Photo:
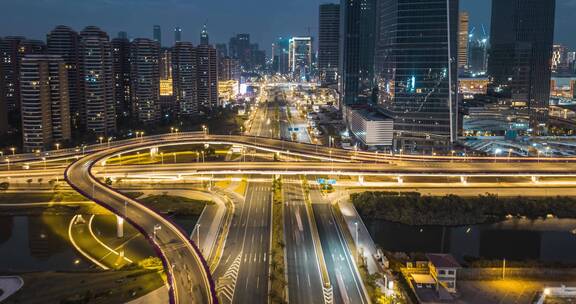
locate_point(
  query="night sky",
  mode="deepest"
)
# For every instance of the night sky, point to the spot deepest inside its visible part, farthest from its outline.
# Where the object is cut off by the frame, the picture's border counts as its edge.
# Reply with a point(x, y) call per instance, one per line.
point(263, 19)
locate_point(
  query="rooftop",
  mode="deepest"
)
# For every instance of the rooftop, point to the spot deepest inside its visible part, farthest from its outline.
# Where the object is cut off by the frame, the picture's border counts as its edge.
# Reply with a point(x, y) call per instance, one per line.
point(442, 260)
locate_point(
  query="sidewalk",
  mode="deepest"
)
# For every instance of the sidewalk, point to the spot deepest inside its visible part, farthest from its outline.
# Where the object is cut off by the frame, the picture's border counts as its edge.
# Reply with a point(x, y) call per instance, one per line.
point(364, 242)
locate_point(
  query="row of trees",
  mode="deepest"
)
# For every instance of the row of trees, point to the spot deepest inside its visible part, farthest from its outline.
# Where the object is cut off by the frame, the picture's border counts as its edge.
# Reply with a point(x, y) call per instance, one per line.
point(451, 210)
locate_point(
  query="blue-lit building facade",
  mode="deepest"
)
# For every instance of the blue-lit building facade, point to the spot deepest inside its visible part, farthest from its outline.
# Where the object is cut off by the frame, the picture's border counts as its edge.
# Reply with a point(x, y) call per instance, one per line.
point(416, 68)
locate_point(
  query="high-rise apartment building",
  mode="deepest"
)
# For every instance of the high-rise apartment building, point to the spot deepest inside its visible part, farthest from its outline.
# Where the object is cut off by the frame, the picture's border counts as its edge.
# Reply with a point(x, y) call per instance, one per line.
point(3, 109)
point(12, 50)
point(463, 23)
point(229, 69)
point(184, 78)
point(98, 110)
point(416, 68)
point(357, 37)
point(329, 43)
point(45, 108)
point(157, 34)
point(145, 74)
point(300, 57)
point(65, 42)
point(207, 76)
point(122, 79)
point(521, 40)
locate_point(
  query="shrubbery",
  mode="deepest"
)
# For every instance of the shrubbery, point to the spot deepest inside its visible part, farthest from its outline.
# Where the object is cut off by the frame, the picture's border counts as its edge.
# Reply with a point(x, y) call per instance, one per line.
point(451, 210)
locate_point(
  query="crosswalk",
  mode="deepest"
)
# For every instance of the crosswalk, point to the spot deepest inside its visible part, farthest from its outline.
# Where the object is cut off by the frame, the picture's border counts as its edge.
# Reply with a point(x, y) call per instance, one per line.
point(227, 283)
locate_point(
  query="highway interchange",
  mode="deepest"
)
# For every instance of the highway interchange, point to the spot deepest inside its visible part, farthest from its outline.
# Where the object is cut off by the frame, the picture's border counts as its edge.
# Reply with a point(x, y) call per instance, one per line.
point(243, 272)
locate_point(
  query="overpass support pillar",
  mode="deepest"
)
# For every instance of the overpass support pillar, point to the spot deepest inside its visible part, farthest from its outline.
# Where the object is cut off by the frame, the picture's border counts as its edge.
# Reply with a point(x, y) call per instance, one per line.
point(119, 227)
point(535, 179)
point(361, 180)
point(400, 179)
point(154, 151)
point(464, 180)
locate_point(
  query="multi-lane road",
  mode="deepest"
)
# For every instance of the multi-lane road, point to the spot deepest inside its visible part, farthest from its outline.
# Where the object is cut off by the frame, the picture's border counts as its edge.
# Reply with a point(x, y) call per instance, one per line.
point(304, 273)
point(242, 275)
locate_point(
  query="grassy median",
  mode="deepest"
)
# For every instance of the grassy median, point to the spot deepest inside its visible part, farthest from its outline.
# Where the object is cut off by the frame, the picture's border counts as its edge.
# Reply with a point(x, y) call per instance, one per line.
point(277, 271)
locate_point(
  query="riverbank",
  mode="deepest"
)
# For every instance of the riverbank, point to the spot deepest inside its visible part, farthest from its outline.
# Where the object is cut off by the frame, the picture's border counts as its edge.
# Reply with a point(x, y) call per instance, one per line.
point(411, 208)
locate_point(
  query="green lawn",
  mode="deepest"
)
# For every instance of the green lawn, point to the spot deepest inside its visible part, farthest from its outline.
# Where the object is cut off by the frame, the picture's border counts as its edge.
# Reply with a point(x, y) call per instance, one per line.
point(177, 205)
point(86, 287)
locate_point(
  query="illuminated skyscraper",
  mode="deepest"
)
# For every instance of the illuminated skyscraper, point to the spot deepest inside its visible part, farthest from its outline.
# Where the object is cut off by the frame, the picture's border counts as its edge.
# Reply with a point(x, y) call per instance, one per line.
point(45, 108)
point(144, 67)
point(65, 42)
point(357, 37)
point(280, 57)
point(207, 76)
point(99, 107)
point(300, 57)
point(559, 58)
point(521, 40)
point(122, 80)
point(184, 78)
point(463, 42)
point(329, 42)
point(416, 68)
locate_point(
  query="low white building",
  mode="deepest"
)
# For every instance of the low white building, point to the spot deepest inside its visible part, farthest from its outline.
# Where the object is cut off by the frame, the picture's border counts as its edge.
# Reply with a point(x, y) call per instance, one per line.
point(370, 127)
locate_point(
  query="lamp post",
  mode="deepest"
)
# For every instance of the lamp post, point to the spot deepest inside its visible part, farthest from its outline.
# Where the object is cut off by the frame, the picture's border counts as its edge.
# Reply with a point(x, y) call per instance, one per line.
point(100, 139)
point(57, 146)
point(162, 157)
point(13, 151)
point(156, 228)
point(356, 241)
point(109, 140)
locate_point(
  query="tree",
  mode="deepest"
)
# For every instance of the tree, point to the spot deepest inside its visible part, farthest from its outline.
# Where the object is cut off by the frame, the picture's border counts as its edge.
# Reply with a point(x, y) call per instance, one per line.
point(108, 181)
point(4, 186)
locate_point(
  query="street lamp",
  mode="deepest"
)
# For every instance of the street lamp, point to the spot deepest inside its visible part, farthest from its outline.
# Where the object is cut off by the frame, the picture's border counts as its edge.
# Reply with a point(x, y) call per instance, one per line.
point(109, 140)
point(162, 157)
point(157, 227)
point(57, 146)
point(101, 139)
point(496, 153)
point(13, 150)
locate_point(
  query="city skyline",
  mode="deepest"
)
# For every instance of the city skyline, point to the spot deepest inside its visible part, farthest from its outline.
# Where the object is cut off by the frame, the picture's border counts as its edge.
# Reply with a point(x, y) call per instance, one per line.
point(138, 18)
